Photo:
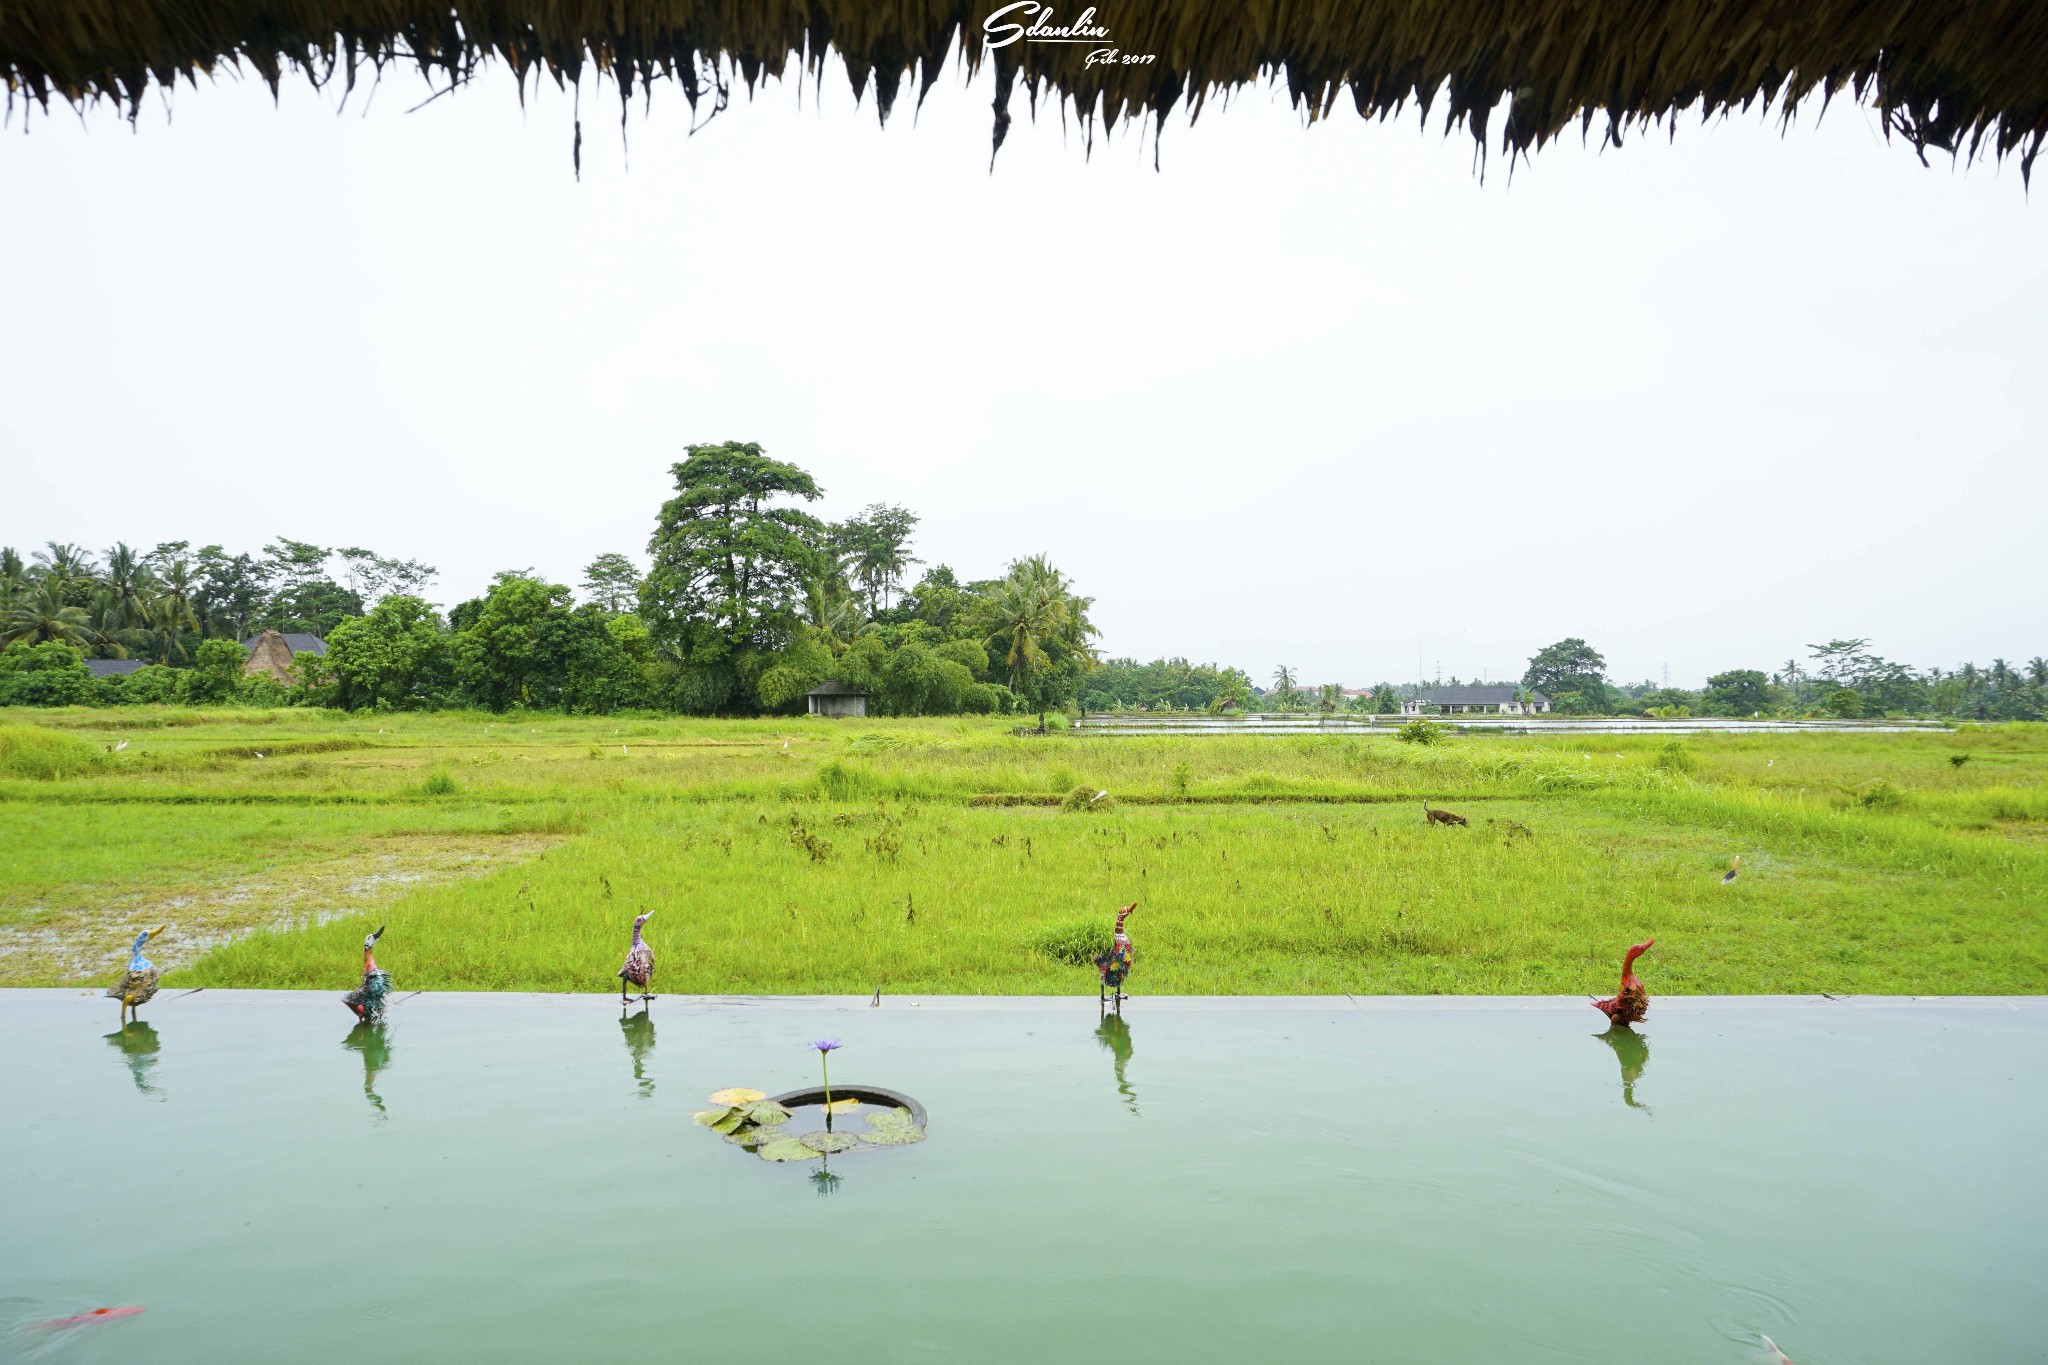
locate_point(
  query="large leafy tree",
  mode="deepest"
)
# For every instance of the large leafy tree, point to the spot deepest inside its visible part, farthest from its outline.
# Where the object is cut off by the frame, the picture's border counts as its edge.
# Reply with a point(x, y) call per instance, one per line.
point(396, 658)
point(875, 549)
point(1572, 669)
point(612, 582)
point(732, 562)
point(371, 577)
point(232, 591)
point(1738, 692)
point(525, 645)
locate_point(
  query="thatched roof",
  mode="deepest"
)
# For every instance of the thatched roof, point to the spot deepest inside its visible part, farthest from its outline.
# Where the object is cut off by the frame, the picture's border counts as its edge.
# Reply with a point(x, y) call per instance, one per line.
point(1960, 76)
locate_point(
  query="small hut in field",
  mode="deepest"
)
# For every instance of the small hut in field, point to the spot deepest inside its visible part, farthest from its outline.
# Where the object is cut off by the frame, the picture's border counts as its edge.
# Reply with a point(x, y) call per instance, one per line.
point(838, 700)
point(270, 654)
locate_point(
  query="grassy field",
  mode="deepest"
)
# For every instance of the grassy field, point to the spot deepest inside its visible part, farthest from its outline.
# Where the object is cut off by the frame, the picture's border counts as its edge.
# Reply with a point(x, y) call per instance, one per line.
point(934, 856)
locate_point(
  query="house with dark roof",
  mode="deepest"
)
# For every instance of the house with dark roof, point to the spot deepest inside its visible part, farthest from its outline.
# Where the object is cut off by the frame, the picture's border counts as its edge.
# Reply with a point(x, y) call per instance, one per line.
point(1481, 698)
point(837, 699)
point(112, 668)
point(270, 654)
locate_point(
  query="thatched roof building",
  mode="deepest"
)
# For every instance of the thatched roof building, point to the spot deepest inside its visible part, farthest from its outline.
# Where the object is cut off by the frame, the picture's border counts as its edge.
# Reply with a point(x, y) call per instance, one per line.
point(1962, 78)
point(270, 654)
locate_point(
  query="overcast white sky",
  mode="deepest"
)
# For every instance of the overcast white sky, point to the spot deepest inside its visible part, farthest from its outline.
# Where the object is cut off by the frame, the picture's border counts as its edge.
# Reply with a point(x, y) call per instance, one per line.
point(1316, 397)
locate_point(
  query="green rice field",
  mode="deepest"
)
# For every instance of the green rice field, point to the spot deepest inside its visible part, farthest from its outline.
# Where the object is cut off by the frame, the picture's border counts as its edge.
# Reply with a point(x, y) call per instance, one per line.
point(942, 856)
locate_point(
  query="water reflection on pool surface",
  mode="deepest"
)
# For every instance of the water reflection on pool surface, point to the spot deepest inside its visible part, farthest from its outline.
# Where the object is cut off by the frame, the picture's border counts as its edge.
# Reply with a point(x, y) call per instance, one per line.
point(518, 1178)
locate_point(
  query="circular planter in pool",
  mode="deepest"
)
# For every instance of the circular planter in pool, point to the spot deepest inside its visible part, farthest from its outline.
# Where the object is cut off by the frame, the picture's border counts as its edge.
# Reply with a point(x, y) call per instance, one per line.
point(866, 1094)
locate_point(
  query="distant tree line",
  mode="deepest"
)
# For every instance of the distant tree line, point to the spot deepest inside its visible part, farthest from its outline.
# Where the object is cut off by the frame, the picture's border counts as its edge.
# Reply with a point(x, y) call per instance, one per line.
point(1840, 679)
point(749, 601)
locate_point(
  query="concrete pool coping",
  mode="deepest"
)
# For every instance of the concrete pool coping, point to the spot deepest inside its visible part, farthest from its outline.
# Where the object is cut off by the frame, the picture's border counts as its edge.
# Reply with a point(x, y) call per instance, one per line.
point(1172, 1004)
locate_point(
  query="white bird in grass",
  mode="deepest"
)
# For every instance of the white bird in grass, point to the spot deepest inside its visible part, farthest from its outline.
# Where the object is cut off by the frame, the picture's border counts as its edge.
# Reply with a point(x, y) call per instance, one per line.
point(1097, 797)
point(119, 747)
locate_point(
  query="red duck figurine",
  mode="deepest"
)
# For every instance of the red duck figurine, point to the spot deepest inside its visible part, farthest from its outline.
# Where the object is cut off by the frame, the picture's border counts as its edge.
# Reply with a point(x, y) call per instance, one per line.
point(1632, 1002)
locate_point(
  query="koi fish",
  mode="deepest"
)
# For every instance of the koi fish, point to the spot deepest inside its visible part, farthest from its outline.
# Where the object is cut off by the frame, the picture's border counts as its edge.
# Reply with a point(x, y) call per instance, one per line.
point(1778, 1357)
point(96, 1315)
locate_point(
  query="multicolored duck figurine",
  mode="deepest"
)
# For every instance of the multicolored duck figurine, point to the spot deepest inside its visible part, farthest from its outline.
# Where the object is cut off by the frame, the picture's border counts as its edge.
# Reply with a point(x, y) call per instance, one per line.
point(367, 1000)
point(1629, 1004)
point(1114, 966)
point(638, 969)
point(138, 983)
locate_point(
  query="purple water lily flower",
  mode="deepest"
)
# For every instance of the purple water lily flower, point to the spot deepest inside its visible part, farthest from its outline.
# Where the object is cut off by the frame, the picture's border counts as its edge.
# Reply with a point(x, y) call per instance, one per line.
point(826, 1047)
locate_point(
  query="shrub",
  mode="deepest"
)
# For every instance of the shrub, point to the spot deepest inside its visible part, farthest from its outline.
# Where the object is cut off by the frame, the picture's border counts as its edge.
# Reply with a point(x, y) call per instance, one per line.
point(1183, 774)
point(1420, 732)
point(150, 685)
point(1675, 758)
point(27, 751)
point(1881, 795)
point(48, 674)
point(440, 782)
point(1085, 799)
point(217, 668)
point(1074, 942)
point(843, 781)
point(1845, 702)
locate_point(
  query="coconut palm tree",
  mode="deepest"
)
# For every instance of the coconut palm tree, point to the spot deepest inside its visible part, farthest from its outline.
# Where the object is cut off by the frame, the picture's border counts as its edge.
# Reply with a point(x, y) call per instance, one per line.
point(2037, 671)
point(1040, 626)
point(13, 578)
point(131, 583)
point(42, 615)
point(109, 621)
point(169, 616)
point(68, 567)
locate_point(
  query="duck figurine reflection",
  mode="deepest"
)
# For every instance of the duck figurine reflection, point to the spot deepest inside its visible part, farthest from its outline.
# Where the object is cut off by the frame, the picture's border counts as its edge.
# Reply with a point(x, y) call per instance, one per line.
point(367, 1000)
point(137, 1042)
point(375, 1046)
point(138, 983)
point(638, 968)
point(1114, 1034)
point(1633, 1052)
point(1629, 1004)
point(639, 1031)
point(1114, 966)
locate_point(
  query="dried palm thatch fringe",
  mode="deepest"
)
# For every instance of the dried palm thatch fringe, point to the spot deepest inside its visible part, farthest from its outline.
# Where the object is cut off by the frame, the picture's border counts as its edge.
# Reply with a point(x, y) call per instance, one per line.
point(1963, 76)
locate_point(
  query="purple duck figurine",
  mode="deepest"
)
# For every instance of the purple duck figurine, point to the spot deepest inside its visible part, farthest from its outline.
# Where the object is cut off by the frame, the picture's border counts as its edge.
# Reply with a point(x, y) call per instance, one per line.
point(638, 968)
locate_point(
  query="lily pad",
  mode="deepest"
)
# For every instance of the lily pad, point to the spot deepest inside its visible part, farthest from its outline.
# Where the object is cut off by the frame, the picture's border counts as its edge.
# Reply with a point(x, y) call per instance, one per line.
point(765, 1112)
point(734, 1120)
point(894, 1136)
point(842, 1106)
point(827, 1142)
point(786, 1149)
point(708, 1117)
point(757, 1137)
point(737, 1094)
point(891, 1118)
